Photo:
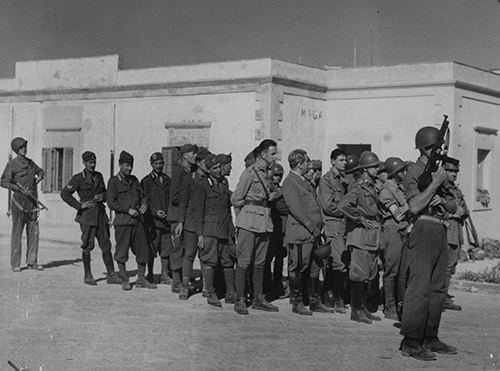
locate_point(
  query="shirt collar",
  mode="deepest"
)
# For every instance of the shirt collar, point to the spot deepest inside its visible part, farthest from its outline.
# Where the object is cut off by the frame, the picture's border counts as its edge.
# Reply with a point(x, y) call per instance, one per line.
point(261, 164)
point(300, 176)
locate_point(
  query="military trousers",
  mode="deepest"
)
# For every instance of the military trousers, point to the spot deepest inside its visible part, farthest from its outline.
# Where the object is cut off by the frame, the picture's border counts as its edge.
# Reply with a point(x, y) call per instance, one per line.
point(251, 248)
point(216, 250)
point(161, 241)
point(301, 260)
point(427, 259)
point(131, 237)
point(21, 219)
point(92, 232)
point(364, 264)
point(177, 253)
point(392, 248)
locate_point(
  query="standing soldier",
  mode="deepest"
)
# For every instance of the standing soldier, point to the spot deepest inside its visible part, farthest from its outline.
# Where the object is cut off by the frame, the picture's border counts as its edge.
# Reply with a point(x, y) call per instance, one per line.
point(253, 220)
point(180, 190)
point(332, 188)
point(21, 176)
point(211, 220)
point(303, 230)
point(427, 255)
point(91, 215)
point(156, 188)
point(125, 198)
point(361, 207)
point(395, 225)
point(455, 228)
point(352, 170)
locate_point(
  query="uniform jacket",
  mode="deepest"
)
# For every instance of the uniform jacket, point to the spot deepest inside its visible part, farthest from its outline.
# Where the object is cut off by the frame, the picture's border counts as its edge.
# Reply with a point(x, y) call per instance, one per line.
point(332, 188)
point(189, 223)
point(180, 190)
point(254, 186)
point(156, 189)
point(212, 217)
point(124, 193)
point(304, 211)
point(361, 201)
point(87, 186)
point(456, 225)
point(22, 170)
point(279, 211)
point(392, 194)
point(231, 227)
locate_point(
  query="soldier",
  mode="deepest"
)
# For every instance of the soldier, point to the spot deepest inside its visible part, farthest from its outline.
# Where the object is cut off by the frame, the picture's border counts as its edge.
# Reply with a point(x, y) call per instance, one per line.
point(303, 229)
point(180, 190)
point(455, 228)
point(352, 170)
point(394, 226)
point(427, 256)
point(273, 281)
point(156, 188)
point(332, 188)
point(253, 220)
point(189, 238)
point(21, 176)
point(91, 215)
point(361, 207)
point(211, 220)
point(125, 198)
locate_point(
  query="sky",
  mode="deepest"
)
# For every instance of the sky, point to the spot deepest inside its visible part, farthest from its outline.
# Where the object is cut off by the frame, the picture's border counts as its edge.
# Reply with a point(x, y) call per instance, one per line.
point(150, 33)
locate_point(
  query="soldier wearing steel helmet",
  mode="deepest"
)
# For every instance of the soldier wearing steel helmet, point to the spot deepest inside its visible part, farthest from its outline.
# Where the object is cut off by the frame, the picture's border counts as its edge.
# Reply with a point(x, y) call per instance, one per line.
point(21, 172)
point(352, 170)
point(361, 208)
point(394, 227)
point(427, 255)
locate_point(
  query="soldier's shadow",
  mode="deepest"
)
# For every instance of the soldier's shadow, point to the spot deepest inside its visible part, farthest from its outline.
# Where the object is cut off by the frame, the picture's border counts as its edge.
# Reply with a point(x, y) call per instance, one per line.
point(60, 263)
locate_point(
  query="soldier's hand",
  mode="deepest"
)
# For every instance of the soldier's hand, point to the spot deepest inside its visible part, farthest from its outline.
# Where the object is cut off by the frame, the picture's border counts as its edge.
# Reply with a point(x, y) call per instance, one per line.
point(161, 214)
point(133, 212)
point(460, 212)
point(201, 242)
point(98, 198)
point(273, 196)
point(439, 176)
point(178, 230)
point(370, 224)
point(436, 200)
point(143, 208)
point(88, 205)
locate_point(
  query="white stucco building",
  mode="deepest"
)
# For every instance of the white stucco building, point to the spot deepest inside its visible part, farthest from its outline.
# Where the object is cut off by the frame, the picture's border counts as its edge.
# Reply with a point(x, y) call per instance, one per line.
point(64, 107)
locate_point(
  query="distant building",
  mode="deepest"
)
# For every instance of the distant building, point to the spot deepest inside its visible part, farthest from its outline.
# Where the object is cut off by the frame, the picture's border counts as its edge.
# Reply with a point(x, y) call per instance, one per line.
point(64, 107)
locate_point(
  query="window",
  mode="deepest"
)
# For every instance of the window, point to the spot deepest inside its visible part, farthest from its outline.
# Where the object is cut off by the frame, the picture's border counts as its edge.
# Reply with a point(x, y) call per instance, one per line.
point(355, 149)
point(484, 166)
point(58, 165)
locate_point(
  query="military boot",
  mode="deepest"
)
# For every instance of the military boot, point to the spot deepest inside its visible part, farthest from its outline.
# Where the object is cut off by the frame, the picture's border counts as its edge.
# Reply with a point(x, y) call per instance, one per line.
point(449, 304)
point(230, 297)
point(315, 304)
point(357, 312)
point(296, 297)
point(240, 306)
point(390, 302)
point(176, 282)
point(141, 281)
point(338, 285)
point(88, 279)
point(125, 280)
point(260, 303)
point(164, 276)
point(184, 290)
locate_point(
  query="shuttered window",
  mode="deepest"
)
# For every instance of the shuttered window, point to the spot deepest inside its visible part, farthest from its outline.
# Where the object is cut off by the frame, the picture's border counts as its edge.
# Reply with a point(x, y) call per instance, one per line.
point(58, 166)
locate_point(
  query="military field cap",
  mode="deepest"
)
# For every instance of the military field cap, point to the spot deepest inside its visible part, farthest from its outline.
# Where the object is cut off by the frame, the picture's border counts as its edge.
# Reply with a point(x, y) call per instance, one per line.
point(125, 158)
point(155, 157)
point(18, 143)
point(188, 148)
point(277, 169)
point(88, 156)
point(224, 159)
point(316, 165)
point(450, 163)
point(202, 153)
point(211, 161)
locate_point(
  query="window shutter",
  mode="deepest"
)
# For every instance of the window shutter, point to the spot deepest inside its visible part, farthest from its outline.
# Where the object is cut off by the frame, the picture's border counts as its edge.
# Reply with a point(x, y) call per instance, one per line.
point(55, 169)
point(67, 166)
point(47, 166)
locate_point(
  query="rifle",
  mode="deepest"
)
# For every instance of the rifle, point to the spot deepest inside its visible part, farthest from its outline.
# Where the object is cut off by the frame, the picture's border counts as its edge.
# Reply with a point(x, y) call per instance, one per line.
point(435, 157)
point(29, 195)
point(472, 236)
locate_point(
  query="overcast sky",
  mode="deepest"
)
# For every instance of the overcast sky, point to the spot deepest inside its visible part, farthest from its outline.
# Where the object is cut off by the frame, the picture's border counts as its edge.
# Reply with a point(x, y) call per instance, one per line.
point(147, 33)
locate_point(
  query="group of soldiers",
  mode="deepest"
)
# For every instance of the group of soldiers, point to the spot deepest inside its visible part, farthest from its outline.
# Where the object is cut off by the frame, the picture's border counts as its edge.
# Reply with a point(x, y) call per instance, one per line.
point(361, 217)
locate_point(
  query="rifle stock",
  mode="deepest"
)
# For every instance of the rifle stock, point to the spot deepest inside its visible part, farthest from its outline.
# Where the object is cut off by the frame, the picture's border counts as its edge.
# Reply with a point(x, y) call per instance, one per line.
point(28, 194)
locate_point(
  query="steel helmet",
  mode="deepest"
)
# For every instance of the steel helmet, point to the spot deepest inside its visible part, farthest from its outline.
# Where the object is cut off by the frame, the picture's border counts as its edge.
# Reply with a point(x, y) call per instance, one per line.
point(351, 164)
point(368, 159)
point(18, 143)
point(394, 165)
point(323, 251)
point(426, 137)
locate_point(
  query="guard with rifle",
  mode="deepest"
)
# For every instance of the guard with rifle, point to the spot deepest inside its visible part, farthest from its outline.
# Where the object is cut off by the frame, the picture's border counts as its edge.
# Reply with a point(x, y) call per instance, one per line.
point(429, 204)
point(21, 176)
point(91, 215)
point(125, 197)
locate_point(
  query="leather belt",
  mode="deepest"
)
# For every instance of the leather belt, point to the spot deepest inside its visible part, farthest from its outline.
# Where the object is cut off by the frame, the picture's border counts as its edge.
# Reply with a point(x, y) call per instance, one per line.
point(262, 203)
point(433, 219)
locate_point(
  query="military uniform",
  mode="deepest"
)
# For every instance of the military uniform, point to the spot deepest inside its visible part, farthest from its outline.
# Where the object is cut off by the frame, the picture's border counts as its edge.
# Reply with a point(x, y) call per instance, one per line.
point(94, 222)
point(22, 170)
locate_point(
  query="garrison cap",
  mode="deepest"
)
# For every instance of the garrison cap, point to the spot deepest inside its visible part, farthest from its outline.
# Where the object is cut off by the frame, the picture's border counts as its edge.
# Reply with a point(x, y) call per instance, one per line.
point(224, 159)
point(125, 158)
point(202, 153)
point(155, 157)
point(211, 161)
point(450, 163)
point(188, 148)
point(18, 143)
point(277, 169)
point(88, 156)
point(316, 165)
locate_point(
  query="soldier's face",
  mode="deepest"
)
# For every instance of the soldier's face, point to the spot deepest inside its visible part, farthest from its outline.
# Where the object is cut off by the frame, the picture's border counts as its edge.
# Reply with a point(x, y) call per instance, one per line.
point(270, 154)
point(317, 175)
point(90, 165)
point(452, 175)
point(372, 171)
point(190, 157)
point(215, 171)
point(226, 169)
point(339, 162)
point(158, 166)
point(126, 168)
point(22, 151)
